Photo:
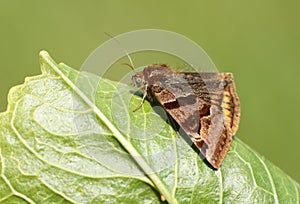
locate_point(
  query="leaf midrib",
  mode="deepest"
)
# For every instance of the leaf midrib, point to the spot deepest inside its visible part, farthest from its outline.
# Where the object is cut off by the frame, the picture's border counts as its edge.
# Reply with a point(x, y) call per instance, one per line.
point(120, 137)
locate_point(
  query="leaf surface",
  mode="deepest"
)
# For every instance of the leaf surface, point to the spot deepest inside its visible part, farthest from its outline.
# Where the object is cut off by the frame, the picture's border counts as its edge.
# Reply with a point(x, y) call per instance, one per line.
point(70, 137)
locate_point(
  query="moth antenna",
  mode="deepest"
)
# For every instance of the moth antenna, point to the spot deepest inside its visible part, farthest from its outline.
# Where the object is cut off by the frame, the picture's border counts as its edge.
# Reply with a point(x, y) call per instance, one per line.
point(129, 65)
point(126, 52)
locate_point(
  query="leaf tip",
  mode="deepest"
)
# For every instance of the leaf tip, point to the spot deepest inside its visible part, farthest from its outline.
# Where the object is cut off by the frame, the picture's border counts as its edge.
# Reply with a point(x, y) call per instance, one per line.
point(43, 54)
point(46, 62)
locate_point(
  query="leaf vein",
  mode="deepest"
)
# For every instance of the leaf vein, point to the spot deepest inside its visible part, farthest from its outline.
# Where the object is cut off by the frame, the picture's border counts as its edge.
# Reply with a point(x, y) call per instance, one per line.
point(297, 191)
point(250, 168)
point(221, 185)
point(10, 185)
point(270, 178)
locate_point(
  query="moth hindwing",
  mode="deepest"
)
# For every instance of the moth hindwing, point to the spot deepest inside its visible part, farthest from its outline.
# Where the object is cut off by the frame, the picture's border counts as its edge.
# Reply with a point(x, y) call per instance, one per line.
point(204, 105)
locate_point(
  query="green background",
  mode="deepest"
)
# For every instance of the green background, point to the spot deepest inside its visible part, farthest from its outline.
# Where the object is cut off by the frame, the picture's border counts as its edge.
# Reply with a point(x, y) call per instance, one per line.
point(257, 40)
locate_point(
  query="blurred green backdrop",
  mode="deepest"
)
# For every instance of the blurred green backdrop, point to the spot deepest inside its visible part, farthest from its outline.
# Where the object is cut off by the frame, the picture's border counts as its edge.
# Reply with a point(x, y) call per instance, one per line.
point(257, 40)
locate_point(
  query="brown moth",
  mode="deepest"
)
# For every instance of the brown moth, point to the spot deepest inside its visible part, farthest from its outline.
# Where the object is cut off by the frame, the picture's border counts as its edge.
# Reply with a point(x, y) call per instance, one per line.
point(204, 105)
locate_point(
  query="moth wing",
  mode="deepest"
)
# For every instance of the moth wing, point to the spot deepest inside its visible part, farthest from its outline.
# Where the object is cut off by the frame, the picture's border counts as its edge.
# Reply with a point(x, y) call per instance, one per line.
point(209, 132)
point(219, 89)
point(231, 102)
point(204, 110)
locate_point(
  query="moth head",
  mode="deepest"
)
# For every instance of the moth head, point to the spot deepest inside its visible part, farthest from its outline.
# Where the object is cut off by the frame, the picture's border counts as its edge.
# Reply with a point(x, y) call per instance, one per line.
point(138, 80)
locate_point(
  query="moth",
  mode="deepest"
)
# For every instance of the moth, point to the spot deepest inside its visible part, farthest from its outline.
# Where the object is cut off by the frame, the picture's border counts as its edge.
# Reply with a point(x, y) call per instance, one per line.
point(204, 105)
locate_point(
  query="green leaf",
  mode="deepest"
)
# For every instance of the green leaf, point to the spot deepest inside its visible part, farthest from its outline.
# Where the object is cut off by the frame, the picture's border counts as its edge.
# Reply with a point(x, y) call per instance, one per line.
point(70, 137)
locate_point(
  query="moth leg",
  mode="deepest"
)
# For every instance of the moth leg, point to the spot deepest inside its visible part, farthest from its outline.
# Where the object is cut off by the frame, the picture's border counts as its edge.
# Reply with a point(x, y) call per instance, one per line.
point(143, 99)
